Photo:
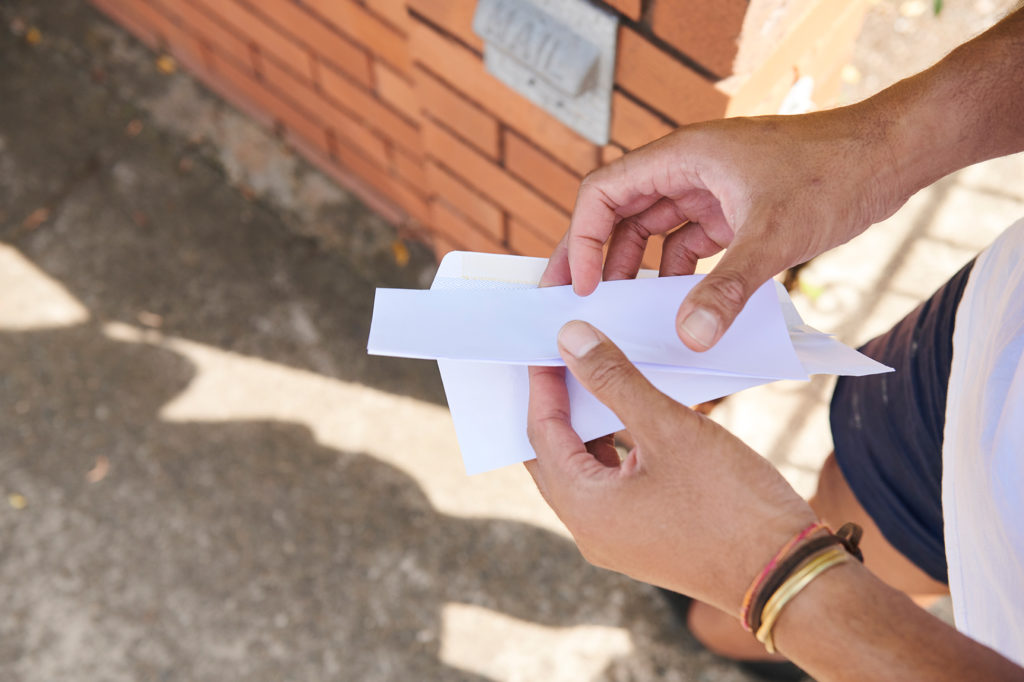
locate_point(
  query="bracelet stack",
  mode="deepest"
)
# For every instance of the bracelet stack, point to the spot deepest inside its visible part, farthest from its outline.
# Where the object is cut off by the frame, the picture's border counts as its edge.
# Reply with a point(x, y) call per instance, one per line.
point(805, 557)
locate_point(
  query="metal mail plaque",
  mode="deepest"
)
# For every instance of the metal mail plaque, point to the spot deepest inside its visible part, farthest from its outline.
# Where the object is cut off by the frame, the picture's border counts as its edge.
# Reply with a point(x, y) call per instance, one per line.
point(560, 54)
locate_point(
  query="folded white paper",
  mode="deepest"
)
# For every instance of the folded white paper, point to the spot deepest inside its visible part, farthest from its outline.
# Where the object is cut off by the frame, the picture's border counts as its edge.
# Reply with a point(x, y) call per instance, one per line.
point(520, 326)
point(485, 321)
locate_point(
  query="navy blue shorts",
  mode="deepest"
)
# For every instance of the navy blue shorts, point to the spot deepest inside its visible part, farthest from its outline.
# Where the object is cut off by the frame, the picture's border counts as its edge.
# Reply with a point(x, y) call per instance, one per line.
point(887, 428)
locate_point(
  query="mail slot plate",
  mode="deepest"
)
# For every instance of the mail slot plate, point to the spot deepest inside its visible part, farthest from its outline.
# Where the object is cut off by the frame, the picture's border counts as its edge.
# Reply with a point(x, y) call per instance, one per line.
point(560, 54)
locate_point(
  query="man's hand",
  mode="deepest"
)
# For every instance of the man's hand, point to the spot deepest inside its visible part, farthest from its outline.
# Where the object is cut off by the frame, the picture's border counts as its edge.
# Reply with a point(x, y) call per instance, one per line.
point(776, 190)
point(694, 510)
point(691, 508)
point(779, 190)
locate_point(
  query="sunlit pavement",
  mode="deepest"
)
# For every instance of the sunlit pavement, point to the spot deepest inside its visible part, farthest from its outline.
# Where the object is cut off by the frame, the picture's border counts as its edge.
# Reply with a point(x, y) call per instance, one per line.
point(204, 477)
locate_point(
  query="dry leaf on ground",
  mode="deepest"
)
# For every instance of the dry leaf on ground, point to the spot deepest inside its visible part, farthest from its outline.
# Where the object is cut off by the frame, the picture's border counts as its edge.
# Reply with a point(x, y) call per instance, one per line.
point(99, 470)
point(36, 218)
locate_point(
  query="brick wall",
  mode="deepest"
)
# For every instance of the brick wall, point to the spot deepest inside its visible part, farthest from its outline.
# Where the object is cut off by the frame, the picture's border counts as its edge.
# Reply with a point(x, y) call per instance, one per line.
point(391, 97)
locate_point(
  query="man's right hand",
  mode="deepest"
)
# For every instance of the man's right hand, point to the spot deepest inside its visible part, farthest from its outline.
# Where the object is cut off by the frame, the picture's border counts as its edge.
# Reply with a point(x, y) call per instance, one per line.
point(779, 190)
point(776, 191)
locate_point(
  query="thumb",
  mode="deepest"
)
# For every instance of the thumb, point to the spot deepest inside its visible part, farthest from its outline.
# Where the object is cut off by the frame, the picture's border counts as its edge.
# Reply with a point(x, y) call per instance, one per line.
point(608, 374)
point(712, 305)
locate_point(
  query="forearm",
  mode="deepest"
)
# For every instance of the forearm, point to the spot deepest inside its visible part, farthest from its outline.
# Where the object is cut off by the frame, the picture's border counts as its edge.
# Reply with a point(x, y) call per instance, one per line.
point(967, 108)
point(848, 625)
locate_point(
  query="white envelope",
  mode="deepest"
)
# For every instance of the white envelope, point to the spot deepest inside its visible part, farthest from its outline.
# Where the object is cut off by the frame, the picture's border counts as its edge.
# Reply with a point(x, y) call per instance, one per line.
point(485, 322)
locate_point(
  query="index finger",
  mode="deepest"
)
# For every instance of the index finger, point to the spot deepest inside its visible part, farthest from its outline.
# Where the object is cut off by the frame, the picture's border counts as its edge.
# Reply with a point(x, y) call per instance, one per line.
point(621, 189)
point(556, 272)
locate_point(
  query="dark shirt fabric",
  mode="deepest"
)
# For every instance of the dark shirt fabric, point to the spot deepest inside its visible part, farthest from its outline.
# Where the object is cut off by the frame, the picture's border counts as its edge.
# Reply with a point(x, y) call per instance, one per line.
point(887, 428)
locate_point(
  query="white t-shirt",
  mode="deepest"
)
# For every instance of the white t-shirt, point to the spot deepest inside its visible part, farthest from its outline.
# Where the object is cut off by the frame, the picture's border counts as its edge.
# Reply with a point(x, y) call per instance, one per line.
point(983, 451)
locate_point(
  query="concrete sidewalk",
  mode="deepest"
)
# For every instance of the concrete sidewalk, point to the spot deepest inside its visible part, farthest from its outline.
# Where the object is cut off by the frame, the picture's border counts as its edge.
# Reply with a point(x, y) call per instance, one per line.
point(202, 474)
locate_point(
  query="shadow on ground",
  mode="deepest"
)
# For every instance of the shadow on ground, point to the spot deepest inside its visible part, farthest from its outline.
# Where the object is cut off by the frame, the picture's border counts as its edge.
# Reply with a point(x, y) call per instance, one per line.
point(140, 222)
point(225, 550)
point(233, 550)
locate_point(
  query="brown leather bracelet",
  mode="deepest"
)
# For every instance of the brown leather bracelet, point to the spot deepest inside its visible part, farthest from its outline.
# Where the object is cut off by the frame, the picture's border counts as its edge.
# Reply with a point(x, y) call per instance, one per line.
point(848, 536)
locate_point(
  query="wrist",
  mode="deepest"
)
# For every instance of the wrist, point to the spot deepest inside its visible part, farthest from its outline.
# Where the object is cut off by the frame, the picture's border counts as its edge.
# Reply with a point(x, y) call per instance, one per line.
point(771, 539)
point(849, 625)
point(965, 109)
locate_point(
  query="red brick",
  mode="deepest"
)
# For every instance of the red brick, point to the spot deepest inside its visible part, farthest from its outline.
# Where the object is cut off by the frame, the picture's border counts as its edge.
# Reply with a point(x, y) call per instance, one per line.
point(526, 242)
point(631, 8)
point(414, 204)
point(298, 127)
point(656, 78)
point(454, 16)
point(301, 93)
point(468, 201)
point(165, 24)
point(361, 26)
point(634, 125)
point(411, 202)
point(463, 70)
point(538, 169)
point(354, 133)
point(311, 31)
point(392, 10)
point(255, 29)
point(366, 169)
point(395, 90)
point(207, 54)
point(184, 46)
point(124, 16)
point(449, 223)
point(457, 113)
point(221, 39)
point(378, 195)
point(443, 245)
point(706, 30)
point(297, 90)
point(492, 181)
point(238, 88)
point(411, 170)
point(374, 199)
point(610, 152)
point(363, 105)
point(272, 71)
point(144, 13)
point(295, 119)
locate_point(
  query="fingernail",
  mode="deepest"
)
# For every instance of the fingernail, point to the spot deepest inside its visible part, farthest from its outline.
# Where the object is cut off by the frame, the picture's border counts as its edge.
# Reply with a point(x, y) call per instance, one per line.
point(578, 338)
point(701, 326)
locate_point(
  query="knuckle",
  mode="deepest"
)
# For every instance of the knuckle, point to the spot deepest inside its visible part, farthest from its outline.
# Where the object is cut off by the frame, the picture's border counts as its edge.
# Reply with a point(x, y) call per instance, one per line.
point(636, 227)
point(730, 289)
point(590, 185)
point(537, 429)
point(607, 373)
point(592, 189)
point(676, 244)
